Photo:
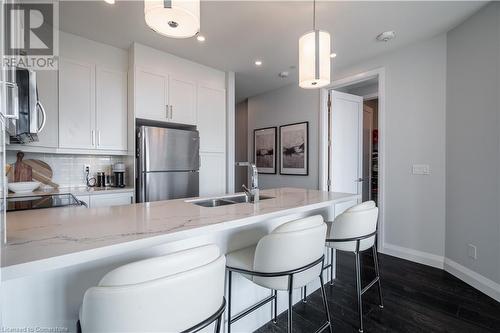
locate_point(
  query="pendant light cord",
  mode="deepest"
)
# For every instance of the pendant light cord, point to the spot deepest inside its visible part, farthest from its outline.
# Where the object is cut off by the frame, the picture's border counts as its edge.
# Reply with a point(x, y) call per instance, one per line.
point(314, 14)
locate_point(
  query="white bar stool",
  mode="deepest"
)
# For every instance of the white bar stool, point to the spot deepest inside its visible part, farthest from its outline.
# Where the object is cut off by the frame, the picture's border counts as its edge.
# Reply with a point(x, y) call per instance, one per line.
point(161, 294)
point(288, 258)
point(355, 231)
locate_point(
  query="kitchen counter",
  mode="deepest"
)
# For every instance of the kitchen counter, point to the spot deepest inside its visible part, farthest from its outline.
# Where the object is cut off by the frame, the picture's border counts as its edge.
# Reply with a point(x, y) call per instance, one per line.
point(47, 238)
point(53, 255)
point(81, 190)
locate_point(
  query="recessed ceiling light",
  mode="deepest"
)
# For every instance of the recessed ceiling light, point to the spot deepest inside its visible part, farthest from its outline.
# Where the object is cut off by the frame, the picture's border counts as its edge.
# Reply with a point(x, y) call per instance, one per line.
point(386, 36)
point(111, 2)
point(200, 38)
point(258, 63)
point(333, 55)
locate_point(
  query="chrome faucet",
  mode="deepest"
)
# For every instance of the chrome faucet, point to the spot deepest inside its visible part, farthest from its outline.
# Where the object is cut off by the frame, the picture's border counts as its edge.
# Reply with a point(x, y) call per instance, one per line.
point(252, 193)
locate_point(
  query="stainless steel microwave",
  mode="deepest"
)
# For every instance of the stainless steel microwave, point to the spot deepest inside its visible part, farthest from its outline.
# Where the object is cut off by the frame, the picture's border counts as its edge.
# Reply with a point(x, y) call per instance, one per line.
point(31, 114)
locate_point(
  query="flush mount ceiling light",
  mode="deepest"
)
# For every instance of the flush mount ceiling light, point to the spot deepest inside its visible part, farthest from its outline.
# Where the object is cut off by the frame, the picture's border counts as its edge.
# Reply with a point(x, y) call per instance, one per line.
point(314, 57)
point(386, 36)
point(174, 18)
point(200, 38)
point(258, 63)
point(111, 2)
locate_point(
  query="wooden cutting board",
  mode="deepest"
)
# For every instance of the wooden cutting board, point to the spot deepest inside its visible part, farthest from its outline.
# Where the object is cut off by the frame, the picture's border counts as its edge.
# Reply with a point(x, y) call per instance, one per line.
point(22, 171)
point(41, 172)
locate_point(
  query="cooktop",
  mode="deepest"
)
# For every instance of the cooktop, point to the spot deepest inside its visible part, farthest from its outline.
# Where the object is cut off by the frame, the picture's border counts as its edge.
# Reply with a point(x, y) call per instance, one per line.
point(42, 201)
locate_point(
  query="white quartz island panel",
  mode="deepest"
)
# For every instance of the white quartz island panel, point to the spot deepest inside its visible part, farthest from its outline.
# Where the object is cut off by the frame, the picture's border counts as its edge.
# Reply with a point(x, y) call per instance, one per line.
point(53, 255)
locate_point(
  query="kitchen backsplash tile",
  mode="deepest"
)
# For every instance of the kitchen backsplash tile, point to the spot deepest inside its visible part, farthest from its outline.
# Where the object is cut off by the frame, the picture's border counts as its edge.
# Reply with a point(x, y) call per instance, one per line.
point(68, 169)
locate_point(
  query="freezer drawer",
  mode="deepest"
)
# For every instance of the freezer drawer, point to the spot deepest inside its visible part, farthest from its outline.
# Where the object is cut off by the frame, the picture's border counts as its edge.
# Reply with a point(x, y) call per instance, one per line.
point(167, 149)
point(168, 185)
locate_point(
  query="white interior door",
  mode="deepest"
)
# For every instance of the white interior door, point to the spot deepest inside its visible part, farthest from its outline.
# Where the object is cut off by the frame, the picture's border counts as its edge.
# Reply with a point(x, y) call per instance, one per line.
point(346, 149)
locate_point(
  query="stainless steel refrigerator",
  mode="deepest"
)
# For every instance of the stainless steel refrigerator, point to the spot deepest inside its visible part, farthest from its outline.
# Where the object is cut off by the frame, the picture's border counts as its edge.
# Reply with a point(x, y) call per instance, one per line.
point(168, 163)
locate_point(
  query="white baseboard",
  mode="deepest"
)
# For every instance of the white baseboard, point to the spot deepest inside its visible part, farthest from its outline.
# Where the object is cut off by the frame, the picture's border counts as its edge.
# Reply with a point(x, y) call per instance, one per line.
point(485, 285)
point(420, 257)
point(481, 283)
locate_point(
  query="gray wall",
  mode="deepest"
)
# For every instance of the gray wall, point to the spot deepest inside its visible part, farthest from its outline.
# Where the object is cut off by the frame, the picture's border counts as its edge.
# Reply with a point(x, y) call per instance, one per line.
point(286, 105)
point(472, 142)
point(241, 142)
point(414, 134)
point(415, 126)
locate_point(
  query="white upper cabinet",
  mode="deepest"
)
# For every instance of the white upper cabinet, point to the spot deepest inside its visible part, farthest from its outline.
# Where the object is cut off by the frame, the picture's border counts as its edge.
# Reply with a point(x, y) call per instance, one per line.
point(212, 119)
point(92, 96)
point(76, 104)
point(111, 109)
point(151, 95)
point(182, 101)
point(162, 97)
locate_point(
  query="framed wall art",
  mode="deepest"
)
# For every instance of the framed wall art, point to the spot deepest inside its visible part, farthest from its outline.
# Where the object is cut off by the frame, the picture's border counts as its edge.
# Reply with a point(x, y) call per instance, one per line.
point(294, 149)
point(265, 145)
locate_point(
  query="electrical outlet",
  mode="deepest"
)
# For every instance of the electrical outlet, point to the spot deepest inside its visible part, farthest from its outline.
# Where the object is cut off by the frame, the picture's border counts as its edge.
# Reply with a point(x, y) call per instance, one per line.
point(472, 251)
point(86, 168)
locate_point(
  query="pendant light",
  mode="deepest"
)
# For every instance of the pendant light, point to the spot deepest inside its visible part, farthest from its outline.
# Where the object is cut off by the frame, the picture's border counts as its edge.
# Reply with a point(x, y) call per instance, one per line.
point(314, 57)
point(173, 18)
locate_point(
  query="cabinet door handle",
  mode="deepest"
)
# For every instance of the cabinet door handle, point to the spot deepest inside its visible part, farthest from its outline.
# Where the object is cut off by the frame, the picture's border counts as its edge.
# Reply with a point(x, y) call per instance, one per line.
point(171, 112)
point(98, 138)
point(166, 106)
point(93, 137)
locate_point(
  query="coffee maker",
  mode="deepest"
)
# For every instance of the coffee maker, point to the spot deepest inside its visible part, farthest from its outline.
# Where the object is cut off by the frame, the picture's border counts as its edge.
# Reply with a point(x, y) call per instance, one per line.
point(119, 175)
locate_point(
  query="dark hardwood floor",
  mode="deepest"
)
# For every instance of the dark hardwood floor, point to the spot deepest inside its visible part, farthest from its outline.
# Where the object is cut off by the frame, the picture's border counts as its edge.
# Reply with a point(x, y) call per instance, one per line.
point(417, 298)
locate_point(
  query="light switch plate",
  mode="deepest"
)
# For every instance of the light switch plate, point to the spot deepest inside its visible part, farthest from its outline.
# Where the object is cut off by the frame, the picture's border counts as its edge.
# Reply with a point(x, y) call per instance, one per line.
point(421, 169)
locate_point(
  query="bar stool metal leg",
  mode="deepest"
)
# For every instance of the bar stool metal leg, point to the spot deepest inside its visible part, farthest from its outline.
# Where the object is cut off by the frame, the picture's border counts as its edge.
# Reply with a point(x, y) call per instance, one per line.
point(377, 272)
point(325, 303)
point(218, 324)
point(331, 266)
point(304, 298)
point(358, 290)
point(275, 320)
point(290, 303)
point(229, 281)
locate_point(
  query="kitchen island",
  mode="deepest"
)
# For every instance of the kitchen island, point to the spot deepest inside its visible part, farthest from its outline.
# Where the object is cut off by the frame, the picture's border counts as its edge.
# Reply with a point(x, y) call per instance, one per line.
point(53, 255)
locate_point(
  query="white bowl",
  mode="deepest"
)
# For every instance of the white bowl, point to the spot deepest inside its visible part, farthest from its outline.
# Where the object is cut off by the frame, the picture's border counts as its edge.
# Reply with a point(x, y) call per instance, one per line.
point(23, 187)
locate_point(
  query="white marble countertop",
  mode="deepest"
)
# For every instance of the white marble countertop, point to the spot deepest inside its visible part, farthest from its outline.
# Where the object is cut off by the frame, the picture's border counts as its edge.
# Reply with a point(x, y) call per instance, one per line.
point(50, 236)
point(81, 190)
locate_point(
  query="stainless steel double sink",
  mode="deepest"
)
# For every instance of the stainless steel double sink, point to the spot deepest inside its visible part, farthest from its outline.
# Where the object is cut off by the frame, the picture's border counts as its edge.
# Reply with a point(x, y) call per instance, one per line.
point(224, 201)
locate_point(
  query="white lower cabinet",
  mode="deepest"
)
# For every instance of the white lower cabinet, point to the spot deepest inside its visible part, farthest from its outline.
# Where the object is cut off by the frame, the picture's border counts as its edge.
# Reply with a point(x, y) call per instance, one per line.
point(212, 174)
point(107, 200)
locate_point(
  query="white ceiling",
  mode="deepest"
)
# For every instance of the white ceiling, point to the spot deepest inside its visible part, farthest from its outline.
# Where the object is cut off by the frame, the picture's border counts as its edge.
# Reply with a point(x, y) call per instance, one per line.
point(238, 32)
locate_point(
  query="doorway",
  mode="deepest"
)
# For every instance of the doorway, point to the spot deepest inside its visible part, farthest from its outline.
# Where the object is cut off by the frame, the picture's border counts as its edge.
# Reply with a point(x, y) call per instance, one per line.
point(367, 90)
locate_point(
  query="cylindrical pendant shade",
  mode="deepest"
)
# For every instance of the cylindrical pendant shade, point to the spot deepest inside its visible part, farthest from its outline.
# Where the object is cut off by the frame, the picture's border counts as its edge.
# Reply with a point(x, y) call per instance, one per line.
point(314, 59)
point(173, 18)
